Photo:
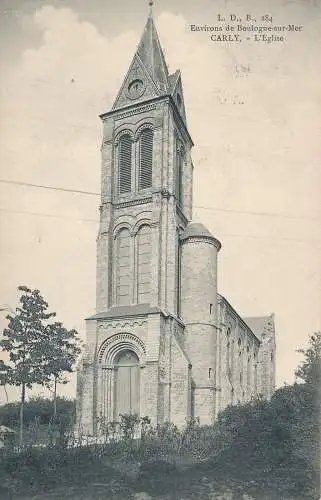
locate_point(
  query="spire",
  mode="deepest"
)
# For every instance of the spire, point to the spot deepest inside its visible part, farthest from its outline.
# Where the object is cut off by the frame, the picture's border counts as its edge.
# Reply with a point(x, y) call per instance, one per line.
point(151, 53)
point(148, 76)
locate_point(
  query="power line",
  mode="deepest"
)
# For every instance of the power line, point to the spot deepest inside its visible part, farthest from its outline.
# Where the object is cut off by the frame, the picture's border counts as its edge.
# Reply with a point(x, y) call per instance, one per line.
point(95, 221)
point(53, 188)
point(261, 214)
point(41, 214)
point(202, 207)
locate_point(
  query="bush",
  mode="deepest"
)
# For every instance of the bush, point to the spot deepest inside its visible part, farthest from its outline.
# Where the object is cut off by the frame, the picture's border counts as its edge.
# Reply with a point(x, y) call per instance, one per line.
point(37, 409)
point(268, 449)
point(274, 444)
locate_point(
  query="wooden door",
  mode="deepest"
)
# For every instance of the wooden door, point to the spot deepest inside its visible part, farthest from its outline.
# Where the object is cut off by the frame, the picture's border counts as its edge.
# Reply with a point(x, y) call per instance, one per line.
point(127, 390)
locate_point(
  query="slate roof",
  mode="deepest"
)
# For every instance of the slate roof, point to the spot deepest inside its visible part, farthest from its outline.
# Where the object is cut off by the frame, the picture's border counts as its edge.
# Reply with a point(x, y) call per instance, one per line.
point(152, 56)
point(125, 311)
point(258, 324)
point(173, 79)
point(198, 230)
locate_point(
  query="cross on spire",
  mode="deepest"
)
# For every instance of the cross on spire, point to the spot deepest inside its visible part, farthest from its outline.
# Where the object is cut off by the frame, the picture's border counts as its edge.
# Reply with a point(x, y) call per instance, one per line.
point(150, 3)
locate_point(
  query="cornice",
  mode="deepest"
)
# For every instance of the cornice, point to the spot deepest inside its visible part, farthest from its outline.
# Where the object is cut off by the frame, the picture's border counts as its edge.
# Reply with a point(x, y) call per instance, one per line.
point(230, 309)
point(135, 111)
point(131, 203)
point(149, 105)
point(202, 239)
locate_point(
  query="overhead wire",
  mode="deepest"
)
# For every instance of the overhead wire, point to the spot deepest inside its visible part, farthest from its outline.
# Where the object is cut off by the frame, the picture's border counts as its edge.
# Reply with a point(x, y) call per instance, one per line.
point(96, 221)
point(202, 207)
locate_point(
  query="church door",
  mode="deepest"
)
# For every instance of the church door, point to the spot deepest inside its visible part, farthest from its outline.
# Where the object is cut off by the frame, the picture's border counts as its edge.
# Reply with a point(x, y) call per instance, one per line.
point(126, 384)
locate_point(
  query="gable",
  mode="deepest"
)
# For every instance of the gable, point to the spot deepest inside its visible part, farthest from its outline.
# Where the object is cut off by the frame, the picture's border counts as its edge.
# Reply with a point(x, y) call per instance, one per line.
point(137, 86)
point(177, 93)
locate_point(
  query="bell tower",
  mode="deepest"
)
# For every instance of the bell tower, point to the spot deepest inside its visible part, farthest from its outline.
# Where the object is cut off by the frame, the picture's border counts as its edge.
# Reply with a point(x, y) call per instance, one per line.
point(146, 194)
point(135, 360)
point(162, 343)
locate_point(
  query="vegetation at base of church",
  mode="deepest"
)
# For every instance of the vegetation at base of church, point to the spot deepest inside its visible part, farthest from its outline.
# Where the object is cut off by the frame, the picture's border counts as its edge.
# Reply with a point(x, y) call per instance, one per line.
point(264, 450)
point(40, 351)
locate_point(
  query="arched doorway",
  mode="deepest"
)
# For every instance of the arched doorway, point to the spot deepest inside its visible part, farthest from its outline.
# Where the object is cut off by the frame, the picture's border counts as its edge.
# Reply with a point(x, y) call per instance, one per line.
point(127, 384)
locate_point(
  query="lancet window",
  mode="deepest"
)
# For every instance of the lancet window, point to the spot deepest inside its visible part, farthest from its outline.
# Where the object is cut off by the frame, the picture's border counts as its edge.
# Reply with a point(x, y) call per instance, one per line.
point(144, 264)
point(145, 173)
point(123, 267)
point(135, 161)
point(125, 164)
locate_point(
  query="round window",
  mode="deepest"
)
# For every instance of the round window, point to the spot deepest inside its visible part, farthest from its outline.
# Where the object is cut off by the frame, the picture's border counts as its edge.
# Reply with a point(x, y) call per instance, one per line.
point(135, 88)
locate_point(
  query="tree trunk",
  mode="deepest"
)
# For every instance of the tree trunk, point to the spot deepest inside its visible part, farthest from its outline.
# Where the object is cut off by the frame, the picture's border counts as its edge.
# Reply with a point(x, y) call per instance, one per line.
point(23, 396)
point(6, 393)
point(55, 401)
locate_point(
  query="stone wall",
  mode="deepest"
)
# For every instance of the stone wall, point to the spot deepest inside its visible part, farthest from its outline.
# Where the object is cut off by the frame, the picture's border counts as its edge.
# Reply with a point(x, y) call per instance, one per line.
point(238, 348)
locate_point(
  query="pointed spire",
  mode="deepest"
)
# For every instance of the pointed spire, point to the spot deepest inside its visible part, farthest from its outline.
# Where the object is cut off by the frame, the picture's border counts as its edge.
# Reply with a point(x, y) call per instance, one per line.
point(151, 53)
point(150, 3)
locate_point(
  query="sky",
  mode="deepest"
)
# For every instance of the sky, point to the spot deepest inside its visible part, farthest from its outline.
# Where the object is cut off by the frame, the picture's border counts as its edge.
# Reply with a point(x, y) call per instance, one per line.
point(253, 111)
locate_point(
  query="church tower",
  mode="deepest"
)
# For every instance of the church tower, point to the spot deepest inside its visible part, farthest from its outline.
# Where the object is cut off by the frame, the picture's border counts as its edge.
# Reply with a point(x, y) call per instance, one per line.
point(135, 359)
point(162, 343)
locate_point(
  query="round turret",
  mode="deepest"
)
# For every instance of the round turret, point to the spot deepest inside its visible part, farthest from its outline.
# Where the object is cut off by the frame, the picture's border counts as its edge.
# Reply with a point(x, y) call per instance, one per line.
point(199, 313)
point(198, 230)
point(199, 273)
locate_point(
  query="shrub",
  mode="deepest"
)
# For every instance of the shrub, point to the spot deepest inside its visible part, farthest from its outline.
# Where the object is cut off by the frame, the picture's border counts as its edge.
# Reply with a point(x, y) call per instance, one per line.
point(37, 409)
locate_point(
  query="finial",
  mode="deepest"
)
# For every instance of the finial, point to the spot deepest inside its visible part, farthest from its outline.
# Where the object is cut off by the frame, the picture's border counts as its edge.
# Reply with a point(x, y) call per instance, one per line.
point(150, 3)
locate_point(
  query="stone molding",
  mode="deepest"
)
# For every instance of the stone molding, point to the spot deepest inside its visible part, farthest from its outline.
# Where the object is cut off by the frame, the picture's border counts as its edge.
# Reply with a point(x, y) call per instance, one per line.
point(122, 324)
point(118, 342)
point(140, 109)
point(202, 239)
point(131, 203)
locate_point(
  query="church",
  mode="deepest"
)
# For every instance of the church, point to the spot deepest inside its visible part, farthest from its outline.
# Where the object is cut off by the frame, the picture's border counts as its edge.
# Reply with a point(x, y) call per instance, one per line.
point(163, 342)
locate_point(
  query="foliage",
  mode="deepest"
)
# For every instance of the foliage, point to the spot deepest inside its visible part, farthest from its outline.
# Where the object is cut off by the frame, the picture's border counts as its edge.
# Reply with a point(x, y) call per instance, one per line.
point(265, 449)
point(129, 425)
point(310, 369)
point(38, 410)
point(42, 469)
point(64, 350)
point(274, 444)
point(23, 340)
point(261, 450)
point(39, 351)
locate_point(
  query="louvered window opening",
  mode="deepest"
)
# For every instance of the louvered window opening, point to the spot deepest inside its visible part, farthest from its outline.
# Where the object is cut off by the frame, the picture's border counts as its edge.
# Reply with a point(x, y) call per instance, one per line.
point(145, 178)
point(125, 164)
point(123, 275)
point(144, 265)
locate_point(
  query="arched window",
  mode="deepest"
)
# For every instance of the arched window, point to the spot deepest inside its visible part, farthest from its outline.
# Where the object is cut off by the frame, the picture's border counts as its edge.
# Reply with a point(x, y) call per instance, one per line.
point(123, 268)
point(126, 366)
point(145, 173)
point(143, 264)
point(125, 164)
point(255, 378)
point(248, 368)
